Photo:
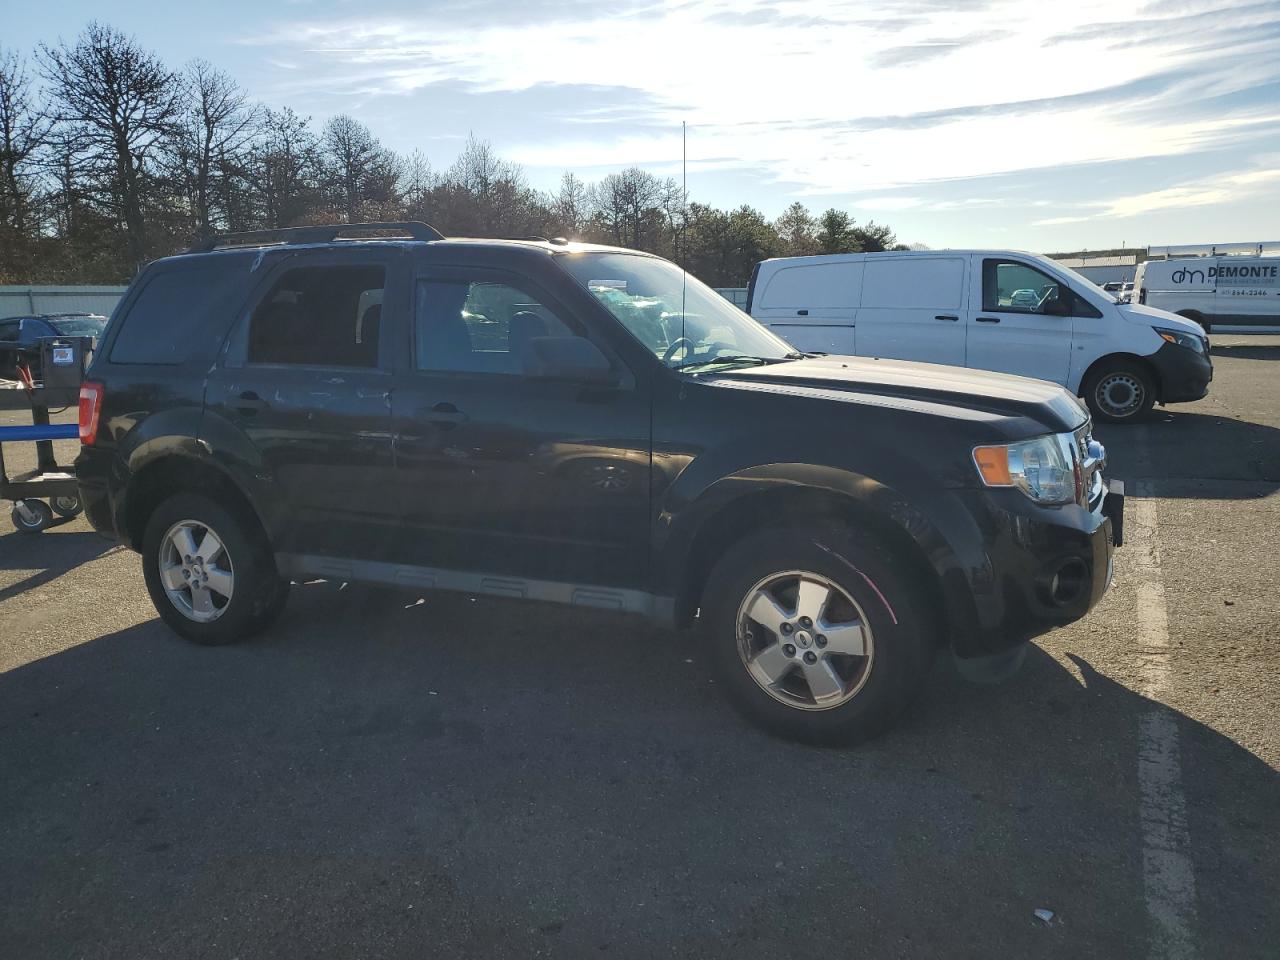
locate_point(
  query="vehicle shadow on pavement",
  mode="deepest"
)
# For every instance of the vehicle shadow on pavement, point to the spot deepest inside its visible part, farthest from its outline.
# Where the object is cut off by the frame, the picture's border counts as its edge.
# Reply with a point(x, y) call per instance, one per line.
point(1199, 455)
point(49, 555)
point(1247, 351)
point(450, 777)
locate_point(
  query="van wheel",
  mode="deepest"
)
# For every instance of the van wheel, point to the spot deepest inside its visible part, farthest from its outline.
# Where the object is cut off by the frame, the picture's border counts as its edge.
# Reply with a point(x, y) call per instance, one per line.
point(209, 571)
point(1119, 392)
point(815, 634)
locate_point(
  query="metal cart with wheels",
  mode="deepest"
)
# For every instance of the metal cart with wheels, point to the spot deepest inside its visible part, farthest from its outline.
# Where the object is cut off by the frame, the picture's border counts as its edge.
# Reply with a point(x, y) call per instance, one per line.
point(62, 363)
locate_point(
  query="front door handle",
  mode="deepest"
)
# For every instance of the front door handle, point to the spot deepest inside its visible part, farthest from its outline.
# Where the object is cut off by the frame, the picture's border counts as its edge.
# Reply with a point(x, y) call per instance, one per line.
point(946, 316)
point(445, 416)
point(249, 403)
point(988, 319)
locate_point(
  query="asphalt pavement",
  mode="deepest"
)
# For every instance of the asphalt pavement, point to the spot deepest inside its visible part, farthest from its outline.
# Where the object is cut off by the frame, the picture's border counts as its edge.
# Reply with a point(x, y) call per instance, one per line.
point(388, 776)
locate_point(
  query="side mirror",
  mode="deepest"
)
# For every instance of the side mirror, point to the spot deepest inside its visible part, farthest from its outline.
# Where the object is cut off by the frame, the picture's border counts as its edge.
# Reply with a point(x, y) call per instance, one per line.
point(572, 359)
point(1059, 304)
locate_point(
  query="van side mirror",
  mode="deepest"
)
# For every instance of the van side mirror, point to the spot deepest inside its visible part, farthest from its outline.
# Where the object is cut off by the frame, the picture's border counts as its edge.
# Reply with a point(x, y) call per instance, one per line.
point(1059, 304)
point(571, 359)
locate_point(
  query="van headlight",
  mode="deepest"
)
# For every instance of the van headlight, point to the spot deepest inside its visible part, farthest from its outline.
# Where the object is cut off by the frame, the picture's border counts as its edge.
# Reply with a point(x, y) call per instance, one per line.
point(1181, 339)
point(1045, 469)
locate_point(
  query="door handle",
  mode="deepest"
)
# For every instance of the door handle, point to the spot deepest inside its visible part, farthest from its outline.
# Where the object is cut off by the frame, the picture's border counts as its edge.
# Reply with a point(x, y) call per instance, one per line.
point(988, 319)
point(445, 416)
point(249, 403)
point(946, 316)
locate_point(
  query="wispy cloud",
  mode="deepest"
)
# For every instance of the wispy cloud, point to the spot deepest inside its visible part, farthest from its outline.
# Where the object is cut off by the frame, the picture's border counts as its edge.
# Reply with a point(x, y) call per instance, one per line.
point(1218, 190)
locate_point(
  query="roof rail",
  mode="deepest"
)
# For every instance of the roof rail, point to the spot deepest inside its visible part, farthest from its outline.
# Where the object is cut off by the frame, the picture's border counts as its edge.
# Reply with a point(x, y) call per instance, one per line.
point(289, 236)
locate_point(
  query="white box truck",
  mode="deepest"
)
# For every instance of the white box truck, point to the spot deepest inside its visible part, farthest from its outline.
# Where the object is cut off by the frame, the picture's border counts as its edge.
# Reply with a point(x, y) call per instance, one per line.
point(1001, 310)
point(1213, 291)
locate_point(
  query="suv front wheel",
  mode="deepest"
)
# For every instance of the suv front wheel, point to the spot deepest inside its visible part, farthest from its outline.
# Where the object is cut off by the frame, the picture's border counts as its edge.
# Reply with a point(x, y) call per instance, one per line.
point(209, 571)
point(817, 635)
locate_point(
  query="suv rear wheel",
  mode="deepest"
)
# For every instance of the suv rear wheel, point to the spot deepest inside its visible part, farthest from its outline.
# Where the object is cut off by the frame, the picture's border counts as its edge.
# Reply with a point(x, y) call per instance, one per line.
point(209, 571)
point(816, 637)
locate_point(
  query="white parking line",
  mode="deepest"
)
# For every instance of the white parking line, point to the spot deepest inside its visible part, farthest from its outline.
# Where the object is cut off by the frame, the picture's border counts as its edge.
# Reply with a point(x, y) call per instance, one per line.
point(1167, 872)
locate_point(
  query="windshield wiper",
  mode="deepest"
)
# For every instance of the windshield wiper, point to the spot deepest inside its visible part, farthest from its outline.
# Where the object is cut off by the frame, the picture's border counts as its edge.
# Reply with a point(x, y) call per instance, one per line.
point(727, 358)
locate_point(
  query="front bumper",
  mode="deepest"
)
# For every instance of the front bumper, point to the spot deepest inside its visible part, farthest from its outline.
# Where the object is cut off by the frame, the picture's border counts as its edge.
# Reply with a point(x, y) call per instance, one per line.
point(1044, 567)
point(1184, 374)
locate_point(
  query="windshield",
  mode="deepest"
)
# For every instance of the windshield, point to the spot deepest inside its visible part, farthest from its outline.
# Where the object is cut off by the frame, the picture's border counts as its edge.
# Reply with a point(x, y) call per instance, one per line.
point(78, 326)
point(1079, 280)
point(683, 321)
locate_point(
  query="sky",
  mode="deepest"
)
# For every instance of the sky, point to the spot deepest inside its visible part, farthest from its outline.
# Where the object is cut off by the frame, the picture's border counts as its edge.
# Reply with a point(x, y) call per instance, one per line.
point(1034, 125)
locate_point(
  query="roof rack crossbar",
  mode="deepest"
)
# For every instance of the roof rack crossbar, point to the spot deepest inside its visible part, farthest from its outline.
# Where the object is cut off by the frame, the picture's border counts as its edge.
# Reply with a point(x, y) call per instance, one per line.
point(289, 236)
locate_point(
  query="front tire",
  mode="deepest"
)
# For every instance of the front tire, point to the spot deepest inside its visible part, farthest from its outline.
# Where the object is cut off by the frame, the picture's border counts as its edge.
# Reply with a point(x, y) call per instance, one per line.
point(817, 635)
point(210, 571)
point(1119, 392)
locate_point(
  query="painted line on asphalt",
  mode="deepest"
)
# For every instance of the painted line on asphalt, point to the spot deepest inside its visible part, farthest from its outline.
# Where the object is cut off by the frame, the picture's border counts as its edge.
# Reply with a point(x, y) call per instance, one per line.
point(1167, 871)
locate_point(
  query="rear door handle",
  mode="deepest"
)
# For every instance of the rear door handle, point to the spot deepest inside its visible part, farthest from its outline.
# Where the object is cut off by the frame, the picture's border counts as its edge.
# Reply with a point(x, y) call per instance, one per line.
point(445, 416)
point(249, 403)
point(946, 316)
point(988, 319)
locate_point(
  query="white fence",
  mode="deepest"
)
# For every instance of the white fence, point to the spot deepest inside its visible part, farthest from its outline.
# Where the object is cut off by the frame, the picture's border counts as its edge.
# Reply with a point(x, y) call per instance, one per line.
point(25, 301)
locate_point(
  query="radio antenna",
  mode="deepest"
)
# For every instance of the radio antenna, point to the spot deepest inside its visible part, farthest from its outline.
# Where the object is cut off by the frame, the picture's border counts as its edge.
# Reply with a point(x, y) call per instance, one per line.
point(684, 223)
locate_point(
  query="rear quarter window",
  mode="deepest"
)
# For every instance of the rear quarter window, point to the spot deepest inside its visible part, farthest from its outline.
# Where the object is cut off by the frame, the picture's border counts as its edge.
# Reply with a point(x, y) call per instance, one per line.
point(182, 311)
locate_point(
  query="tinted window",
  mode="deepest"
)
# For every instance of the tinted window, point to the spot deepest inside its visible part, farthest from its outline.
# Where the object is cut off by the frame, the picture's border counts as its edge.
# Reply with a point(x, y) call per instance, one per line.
point(327, 316)
point(184, 310)
point(479, 327)
point(9, 330)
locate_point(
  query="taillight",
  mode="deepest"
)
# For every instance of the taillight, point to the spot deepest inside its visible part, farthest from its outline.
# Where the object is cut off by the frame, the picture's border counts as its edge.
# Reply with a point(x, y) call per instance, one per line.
point(90, 411)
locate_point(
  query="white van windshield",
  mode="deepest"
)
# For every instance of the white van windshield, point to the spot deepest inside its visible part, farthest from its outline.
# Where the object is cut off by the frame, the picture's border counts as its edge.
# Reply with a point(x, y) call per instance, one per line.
point(1080, 281)
point(683, 321)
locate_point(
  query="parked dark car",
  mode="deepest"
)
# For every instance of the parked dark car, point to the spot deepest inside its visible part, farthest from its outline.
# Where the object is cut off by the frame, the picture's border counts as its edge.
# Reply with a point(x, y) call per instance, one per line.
point(25, 332)
point(589, 426)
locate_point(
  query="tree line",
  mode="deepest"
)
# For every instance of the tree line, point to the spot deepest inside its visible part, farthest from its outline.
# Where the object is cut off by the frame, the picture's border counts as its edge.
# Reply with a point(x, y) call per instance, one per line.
point(109, 158)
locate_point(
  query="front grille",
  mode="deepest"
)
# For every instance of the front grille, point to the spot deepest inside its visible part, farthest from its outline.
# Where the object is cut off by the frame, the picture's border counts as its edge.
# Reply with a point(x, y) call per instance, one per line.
point(1092, 458)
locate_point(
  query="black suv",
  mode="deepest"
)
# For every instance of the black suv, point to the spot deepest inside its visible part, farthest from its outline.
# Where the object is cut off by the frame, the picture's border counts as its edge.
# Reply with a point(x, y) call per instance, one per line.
point(583, 425)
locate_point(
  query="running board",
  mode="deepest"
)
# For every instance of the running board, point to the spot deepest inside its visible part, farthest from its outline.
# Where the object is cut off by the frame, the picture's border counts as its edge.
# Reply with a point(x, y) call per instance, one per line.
point(298, 566)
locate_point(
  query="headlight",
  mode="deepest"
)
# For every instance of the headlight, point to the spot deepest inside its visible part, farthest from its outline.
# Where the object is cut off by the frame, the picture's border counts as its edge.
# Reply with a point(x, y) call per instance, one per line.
point(1188, 340)
point(1044, 469)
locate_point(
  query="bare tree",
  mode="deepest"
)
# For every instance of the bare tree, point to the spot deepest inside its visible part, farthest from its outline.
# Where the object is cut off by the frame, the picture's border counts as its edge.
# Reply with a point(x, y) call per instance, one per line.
point(570, 206)
point(416, 182)
point(116, 103)
point(218, 124)
point(627, 204)
point(359, 170)
point(24, 129)
point(284, 168)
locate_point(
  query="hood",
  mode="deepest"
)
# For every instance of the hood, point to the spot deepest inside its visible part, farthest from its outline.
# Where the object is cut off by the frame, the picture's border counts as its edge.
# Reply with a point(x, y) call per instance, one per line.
point(997, 394)
point(1151, 317)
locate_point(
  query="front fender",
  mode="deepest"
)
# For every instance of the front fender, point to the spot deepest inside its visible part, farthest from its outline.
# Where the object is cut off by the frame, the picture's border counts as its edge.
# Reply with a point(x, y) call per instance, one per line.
point(931, 520)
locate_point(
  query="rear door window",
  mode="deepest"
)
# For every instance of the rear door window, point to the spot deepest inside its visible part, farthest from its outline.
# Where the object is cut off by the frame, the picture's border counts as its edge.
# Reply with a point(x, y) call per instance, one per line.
point(183, 310)
point(320, 316)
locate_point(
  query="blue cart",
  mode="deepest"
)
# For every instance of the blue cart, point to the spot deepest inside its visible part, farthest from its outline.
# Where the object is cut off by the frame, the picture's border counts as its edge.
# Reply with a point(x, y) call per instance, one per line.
point(49, 481)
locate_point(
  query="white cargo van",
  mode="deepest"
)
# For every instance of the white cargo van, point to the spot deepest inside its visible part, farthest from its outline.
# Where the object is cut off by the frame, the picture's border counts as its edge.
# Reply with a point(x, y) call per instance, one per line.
point(999, 310)
point(1214, 291)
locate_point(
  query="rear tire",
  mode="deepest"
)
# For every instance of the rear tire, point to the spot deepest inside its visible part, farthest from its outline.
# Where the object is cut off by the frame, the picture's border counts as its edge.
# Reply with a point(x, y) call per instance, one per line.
point(189, 585)
point(786, 653)
point(1121, 391)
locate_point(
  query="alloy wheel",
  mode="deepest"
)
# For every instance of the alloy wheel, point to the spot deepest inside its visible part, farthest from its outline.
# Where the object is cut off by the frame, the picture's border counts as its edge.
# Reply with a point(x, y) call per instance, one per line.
point(196, 571)
point(805, 641)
